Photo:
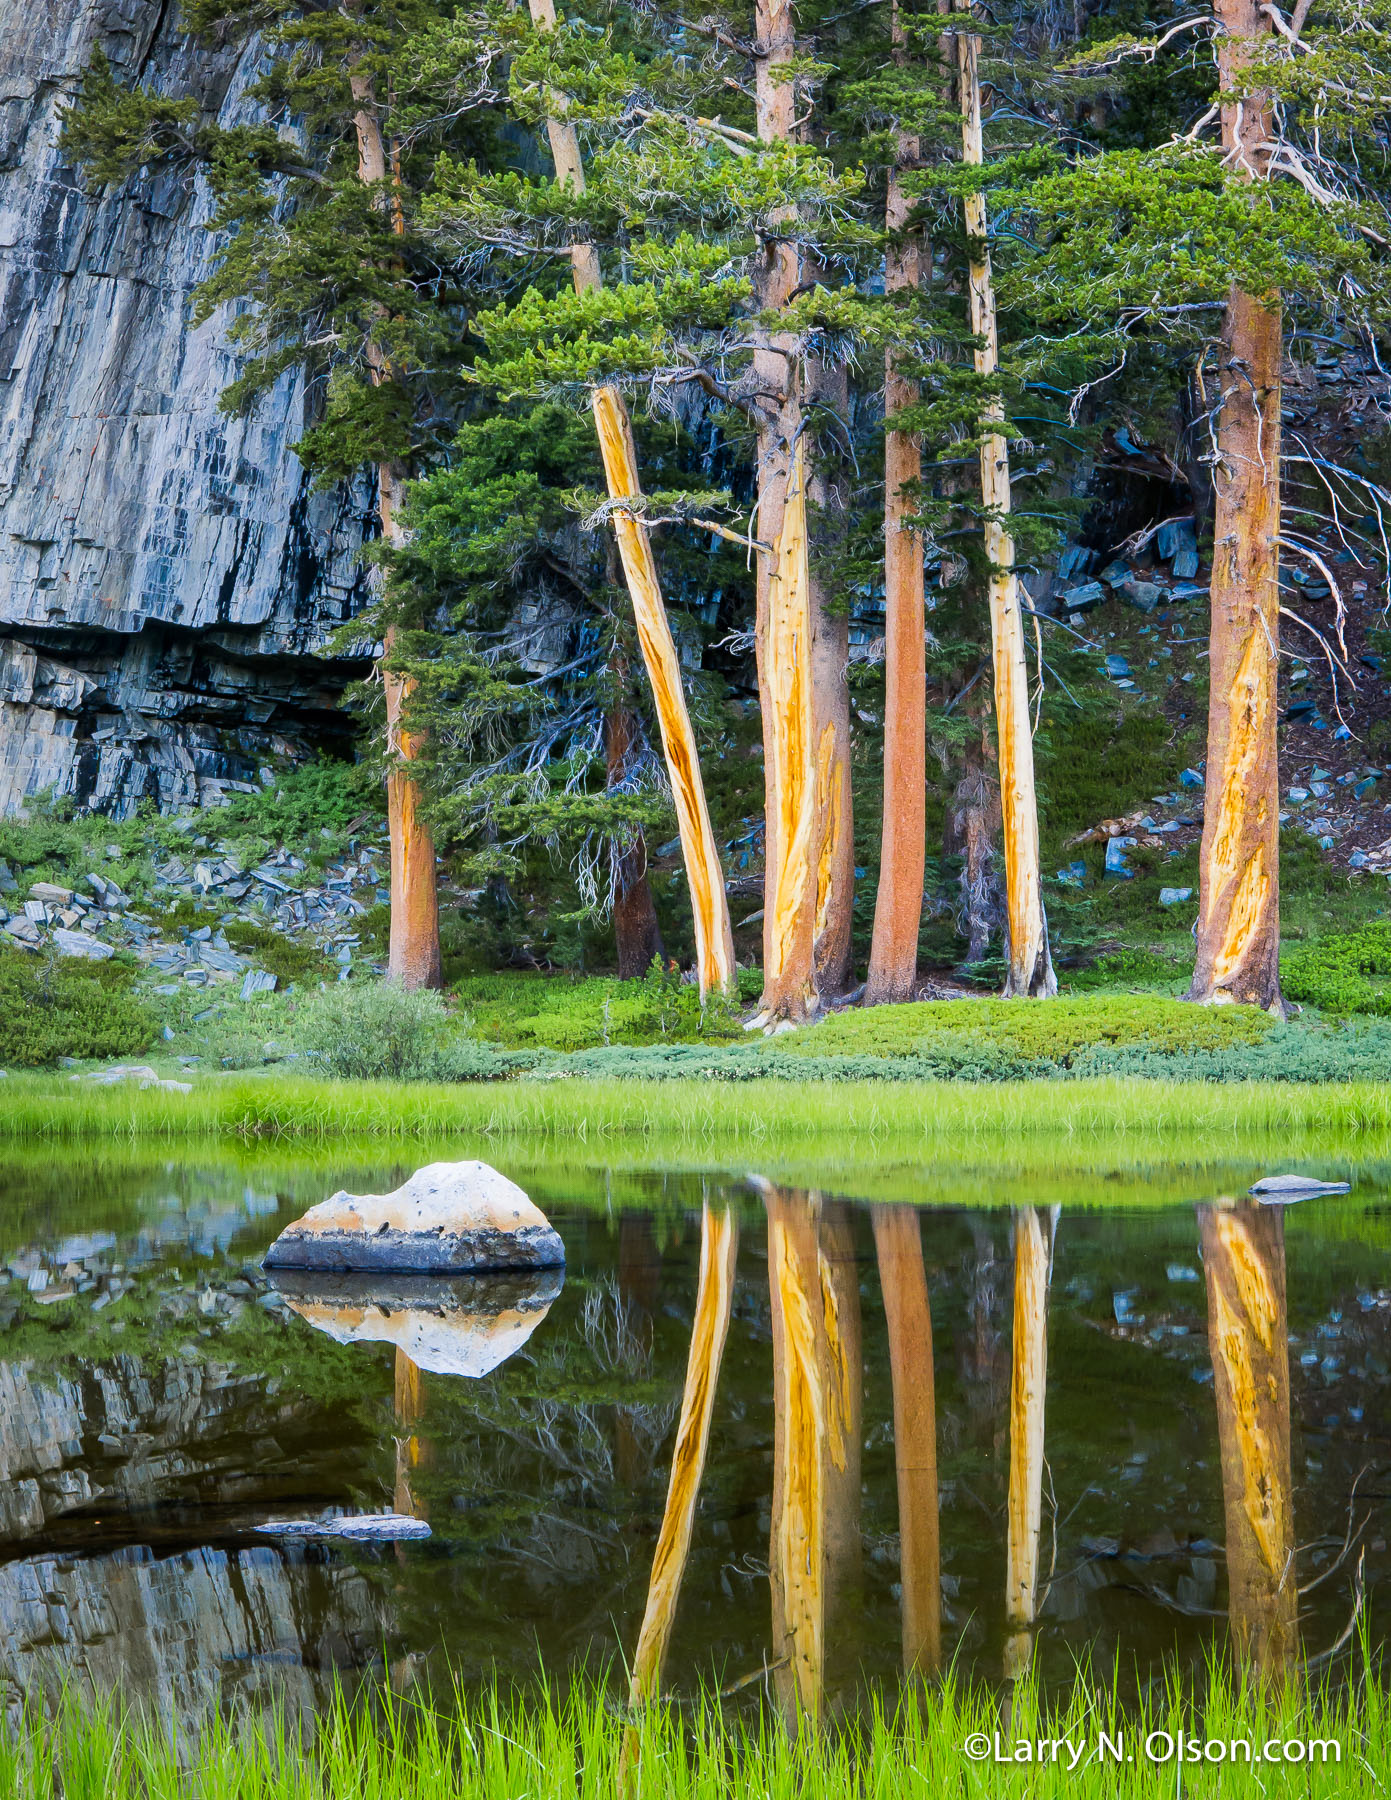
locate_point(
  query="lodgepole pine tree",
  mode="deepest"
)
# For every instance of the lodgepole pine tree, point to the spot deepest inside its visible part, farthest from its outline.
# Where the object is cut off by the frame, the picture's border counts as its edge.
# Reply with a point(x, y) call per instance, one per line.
point(1029, 970)
point(319, 240)
point(413, 954)
point(893, 955)
point(700, 852)
point(1238, 934)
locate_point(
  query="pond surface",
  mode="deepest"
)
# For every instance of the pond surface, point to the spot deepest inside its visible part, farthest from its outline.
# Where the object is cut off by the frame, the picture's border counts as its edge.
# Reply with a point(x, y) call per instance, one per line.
point(986, 1433)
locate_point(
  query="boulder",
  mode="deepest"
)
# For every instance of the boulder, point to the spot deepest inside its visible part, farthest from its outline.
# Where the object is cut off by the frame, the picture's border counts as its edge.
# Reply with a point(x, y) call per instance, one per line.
point(448, 1219)
point(360, 1528)
point(1294, 1187)
point(466, 1326)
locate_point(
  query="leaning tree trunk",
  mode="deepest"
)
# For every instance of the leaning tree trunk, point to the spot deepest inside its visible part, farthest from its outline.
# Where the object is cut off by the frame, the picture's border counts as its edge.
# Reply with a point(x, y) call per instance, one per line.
point(783, 626)
point(719, 1248)
point(1248, 1334)
point(714, 937)
point(413, 956)
point(1238, 935)
point(1029, 969)
point(898, 903)
point(908, 1317)
point(1028, 1390)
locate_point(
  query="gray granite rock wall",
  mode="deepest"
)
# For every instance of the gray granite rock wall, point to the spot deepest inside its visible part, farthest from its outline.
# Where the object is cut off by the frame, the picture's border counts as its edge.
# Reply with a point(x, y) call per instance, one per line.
point(165, 572)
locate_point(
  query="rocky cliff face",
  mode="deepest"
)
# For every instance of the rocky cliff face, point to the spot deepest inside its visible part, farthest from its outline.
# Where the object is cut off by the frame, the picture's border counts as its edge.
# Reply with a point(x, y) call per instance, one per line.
point(165, 572)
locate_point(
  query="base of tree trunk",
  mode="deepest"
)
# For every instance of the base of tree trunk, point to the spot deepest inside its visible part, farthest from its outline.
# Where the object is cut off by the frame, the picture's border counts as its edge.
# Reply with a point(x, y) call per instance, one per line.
point(636, 932)
point(414, 954)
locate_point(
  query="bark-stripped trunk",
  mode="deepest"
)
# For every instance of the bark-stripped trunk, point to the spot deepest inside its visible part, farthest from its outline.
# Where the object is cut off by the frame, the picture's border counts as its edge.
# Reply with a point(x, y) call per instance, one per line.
point(412, 1451)
point(413, 956)
point(815, 1548)
point(1028, 1387)
point(719, 1247)
point(1029, 966)
point(637, 935)
point(704, 873)
point(908, 1316)
point(1244, 1268)
point(783, 627)
point(898, 902)
point(830, 659)
point(1238, 936)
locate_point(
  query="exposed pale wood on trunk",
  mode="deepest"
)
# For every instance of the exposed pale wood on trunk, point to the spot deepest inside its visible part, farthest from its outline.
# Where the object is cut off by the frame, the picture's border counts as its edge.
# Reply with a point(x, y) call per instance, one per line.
point(815, 1549)
point(1238, 935)
point(830, 657)
point(908, 1316)
point(898, 901)
point(412, 1451)
point(719, 1247)
point(1030, 967)
point(792, 770)
point(792, 755)
point(1244, 1268)
point(1028, 1388)
point(413, 954)
point(800, 1439)
point(715, 967)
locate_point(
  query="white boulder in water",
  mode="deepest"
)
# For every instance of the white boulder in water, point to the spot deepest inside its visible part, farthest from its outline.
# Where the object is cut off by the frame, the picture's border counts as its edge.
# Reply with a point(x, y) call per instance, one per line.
point(448, 1219)
point(468, 1326)
point(1279, 1188)
point(369, 1528)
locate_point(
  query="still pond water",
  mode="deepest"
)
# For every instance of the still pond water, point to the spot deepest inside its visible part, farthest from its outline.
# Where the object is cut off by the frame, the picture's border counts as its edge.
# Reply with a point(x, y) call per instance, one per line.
point(988, 1432)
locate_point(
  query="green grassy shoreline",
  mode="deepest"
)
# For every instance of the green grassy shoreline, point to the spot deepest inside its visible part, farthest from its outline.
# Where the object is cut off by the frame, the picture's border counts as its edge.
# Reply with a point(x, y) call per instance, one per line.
point(493, 1749)
point(907, 1117)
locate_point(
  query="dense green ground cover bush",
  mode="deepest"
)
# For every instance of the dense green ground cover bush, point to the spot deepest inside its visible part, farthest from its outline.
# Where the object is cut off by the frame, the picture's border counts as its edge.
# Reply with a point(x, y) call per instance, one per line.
point(526, 1011)
point(1346, 972)
point(1053, 1031)
point(52, 1006)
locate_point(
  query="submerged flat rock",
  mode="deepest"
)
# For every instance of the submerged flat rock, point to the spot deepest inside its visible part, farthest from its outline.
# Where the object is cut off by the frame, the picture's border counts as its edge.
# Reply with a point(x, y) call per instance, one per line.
point(1295, 1187)
point(466, 1326)
point(448, 1219)
point(371, 1528)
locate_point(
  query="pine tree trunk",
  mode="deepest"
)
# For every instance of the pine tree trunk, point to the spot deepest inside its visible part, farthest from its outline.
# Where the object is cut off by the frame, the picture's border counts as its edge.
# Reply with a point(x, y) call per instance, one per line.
point(413, 956)
point(1030, 968)
point(715, 967)
point(719, 1248)
point(1248, 1334)
point(908, 1317)
point(1028, 1388)
point(830, 659)
point(1238, 935)
point(783, 627)
point(637, 935)
point(814, 1553)
point(972, 820)
point(898, 902)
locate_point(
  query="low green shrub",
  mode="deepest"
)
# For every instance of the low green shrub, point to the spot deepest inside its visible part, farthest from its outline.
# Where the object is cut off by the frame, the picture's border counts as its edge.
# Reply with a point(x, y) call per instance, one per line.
point(288, 959)
point(555, 1012)
point(378, 1030)
point(53, 1006)
point(1019, 1034)
point(1345, 972)
point(1131, 968)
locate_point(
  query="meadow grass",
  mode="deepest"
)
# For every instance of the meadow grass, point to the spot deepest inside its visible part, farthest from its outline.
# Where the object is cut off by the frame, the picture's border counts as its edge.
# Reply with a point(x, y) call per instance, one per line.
point(911, 1117)
point(547, 1748)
